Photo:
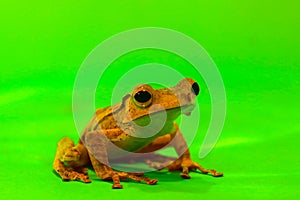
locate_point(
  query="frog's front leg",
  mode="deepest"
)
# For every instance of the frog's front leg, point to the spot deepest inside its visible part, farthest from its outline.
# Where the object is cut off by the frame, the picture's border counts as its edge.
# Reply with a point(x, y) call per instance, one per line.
point(185, 163)
point(96, 142)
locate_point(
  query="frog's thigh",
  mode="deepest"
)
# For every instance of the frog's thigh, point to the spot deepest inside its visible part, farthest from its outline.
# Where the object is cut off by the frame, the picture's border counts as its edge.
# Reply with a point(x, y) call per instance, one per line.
point(64, 144)
point(157, 144)
point(67, 152)
point(95, 143)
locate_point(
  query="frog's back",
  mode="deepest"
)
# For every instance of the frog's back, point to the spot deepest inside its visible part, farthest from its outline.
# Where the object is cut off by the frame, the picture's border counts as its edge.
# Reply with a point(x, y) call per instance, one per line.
point(103, 119)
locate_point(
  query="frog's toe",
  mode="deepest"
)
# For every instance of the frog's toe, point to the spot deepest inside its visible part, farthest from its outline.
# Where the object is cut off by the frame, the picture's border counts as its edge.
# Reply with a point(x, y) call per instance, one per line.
point(213, 172)
point(79, 176)
point(217, 174)
point(185, 175)
point(69, 174)
point(152, 182)
point(65, 178)
point(116, 177)
point(188, 165)
point(142, 179)
point(117, 186)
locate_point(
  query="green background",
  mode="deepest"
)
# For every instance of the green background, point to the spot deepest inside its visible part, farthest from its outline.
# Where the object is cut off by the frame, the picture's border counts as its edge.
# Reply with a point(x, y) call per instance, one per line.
point(255, 45)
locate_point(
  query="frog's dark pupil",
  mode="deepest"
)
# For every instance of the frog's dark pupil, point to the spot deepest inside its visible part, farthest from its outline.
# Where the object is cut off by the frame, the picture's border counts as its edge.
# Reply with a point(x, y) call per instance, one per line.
point(195, 88)
point(142, 96)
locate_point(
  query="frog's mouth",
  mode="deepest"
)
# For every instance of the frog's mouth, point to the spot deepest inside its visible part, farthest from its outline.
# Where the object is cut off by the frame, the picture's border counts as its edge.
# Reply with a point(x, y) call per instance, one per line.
point(172, 113)
point(187, 110)
point(188, 113)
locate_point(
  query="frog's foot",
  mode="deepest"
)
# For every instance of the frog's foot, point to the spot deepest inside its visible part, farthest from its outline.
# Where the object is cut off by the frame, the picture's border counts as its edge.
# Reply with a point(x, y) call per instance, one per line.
point(188, 165)
point(69, 173)
point(117, 176)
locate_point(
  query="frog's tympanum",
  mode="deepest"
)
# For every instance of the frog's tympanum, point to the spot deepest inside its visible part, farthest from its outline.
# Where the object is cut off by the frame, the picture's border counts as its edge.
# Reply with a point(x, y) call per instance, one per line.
point(121, 124)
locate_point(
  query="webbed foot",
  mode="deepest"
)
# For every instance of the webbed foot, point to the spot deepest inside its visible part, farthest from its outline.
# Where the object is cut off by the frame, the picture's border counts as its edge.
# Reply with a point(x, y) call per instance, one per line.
point(185, 166)
point(71, 174)
point(117, 176)
point(188, 165)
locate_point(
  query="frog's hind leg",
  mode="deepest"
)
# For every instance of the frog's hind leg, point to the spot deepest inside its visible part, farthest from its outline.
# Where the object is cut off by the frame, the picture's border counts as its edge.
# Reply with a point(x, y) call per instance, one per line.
point(96, 143)
point(152, 158)
point(73, 156)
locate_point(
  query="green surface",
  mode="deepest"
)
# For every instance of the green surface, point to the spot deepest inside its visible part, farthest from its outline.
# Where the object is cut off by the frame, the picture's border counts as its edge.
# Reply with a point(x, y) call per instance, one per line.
point(255, 45)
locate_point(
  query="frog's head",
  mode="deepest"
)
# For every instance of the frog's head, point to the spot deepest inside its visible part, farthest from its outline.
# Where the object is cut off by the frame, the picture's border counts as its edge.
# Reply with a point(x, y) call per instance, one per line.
point(145, 100)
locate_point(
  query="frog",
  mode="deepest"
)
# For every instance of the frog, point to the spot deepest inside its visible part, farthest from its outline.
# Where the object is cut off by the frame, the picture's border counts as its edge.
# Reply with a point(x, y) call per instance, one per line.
point(121, 125)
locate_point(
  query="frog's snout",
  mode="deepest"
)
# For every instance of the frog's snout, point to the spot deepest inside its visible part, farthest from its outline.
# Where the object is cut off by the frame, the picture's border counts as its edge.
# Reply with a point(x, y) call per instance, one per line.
point(191, 91)
point(186, 92)
point(188, 86)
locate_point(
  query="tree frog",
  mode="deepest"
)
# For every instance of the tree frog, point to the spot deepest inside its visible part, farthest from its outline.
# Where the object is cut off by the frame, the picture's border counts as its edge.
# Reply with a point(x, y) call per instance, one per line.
point(120, 125)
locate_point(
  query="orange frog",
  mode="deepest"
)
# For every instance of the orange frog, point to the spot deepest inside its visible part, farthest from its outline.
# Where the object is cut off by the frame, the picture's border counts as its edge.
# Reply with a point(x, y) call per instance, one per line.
point(122, 125)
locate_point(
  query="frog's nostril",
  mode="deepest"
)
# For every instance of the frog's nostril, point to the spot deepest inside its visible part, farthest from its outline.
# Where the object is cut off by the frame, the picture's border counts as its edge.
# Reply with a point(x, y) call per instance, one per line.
point(195, 88)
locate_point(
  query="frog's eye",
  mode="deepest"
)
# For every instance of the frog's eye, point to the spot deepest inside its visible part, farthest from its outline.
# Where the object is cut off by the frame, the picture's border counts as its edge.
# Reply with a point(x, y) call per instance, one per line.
point(195, 88)
point(143, 98)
